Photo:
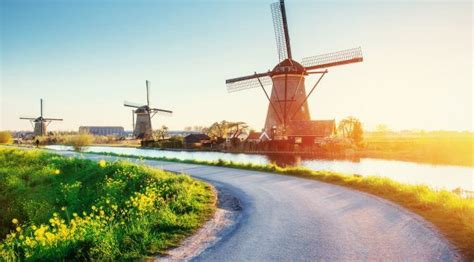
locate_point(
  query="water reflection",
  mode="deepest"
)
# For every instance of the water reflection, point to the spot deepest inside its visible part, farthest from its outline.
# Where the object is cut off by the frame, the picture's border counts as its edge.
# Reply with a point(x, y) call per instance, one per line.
point(435, 176)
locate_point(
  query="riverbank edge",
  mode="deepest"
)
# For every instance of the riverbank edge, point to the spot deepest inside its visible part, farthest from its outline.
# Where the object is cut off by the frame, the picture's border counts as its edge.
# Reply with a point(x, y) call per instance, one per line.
point(448, 212)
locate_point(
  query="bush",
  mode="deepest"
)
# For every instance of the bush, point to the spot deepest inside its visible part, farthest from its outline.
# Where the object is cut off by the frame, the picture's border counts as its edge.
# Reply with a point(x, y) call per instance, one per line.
point(5, 137)
point(79, 142)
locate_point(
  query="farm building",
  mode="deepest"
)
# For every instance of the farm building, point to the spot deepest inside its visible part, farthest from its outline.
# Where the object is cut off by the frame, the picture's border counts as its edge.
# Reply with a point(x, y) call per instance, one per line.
point(103, 130)
point(257, 137)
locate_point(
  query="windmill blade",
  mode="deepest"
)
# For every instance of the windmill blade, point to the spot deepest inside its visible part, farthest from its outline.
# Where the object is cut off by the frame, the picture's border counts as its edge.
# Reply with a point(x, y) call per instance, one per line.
point(131, 104)
point(148, 93)
point(343, 57)
point(280, 26)
point(247, 82)
point(28, 118)
point(53, 119)
point(161, 112)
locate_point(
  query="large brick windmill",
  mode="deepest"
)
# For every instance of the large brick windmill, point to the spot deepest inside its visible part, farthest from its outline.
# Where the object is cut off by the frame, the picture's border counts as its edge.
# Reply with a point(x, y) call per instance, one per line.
point(142, 128)
point(288, 107)
point(40, 123)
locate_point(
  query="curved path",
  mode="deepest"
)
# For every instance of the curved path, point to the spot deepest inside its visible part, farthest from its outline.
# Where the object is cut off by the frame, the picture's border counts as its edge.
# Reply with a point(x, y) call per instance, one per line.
point(293, 219)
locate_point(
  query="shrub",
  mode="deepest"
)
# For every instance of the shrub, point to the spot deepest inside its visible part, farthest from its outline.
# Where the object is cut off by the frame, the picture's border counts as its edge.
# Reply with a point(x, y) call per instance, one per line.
point(5, 137)
point(79, 142)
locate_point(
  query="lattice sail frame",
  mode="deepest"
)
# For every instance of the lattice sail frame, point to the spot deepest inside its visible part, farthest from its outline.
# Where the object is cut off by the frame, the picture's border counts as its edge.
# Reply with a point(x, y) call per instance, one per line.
point(279, 31)
point(333, 58)
point(248, 84)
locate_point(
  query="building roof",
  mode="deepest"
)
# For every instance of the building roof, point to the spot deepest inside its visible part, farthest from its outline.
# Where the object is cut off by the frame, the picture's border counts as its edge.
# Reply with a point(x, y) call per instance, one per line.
point(254, 135)
point(288, 66)
point(319, 128)
point(196, 138)
point(101, 127)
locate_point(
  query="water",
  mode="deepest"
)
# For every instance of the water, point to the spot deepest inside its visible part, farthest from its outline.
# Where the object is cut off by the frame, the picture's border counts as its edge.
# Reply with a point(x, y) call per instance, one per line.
point(435, 176)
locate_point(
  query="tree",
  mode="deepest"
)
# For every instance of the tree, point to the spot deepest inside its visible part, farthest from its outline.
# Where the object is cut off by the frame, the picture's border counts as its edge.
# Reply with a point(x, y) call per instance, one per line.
point(218, 130)
point(162, 132)
point(351, 128)
point(237, 128)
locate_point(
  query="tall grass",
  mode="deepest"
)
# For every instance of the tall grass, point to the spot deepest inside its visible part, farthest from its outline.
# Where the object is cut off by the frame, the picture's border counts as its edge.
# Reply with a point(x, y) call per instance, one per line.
point(5, 137)
point(450, 213)
point(56, 208)
point(79, 142)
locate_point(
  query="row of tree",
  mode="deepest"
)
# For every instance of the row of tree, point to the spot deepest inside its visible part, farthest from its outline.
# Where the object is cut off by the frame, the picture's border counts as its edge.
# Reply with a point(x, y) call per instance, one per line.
point(349, 128)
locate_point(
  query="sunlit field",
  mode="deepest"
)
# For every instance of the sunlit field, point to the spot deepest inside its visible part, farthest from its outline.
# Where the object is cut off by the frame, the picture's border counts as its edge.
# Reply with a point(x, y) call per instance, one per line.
point(452, 148)
point(123, 210)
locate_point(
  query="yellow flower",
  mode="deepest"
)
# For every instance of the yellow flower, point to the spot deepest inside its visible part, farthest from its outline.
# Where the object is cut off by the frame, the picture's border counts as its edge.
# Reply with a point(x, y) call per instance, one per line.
point(63, 208)
point(102, 163)
point(57, 172)
point(15, 221)
point(18, 229)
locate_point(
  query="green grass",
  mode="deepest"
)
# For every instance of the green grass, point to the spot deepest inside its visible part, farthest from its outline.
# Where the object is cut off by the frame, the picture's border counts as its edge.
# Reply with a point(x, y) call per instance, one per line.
point(57, 208)
point(451, 214)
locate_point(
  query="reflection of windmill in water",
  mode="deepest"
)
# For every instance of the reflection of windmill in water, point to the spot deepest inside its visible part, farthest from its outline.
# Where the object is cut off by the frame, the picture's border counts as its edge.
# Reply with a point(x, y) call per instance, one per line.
point(142, 128)
point(288, 113)
point(40, 123)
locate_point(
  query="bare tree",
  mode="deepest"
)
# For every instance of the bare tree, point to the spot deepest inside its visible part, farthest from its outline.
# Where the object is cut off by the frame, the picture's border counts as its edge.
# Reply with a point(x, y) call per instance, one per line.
point(351, 128)
point(162, 132)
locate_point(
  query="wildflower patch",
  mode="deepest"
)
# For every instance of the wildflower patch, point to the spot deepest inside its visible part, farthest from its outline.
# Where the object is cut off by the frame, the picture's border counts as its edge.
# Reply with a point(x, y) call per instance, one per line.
point(103, 211)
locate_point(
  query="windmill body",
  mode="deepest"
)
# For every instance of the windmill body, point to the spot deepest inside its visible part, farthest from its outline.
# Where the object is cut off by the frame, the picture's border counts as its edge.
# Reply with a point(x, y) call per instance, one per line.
point(142, 128)
point(40, 123)
point(287, 96)
point(288, 112)
point(40, 127)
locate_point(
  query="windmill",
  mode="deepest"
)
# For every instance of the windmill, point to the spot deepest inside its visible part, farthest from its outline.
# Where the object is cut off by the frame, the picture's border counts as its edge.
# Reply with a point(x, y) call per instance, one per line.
point(142, 128)
point(288, 100)
point(40, 123)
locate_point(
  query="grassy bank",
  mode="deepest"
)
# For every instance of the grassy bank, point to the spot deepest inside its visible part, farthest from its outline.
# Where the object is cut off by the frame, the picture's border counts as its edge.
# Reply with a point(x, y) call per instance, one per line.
point(56, 208)
point(450, 213)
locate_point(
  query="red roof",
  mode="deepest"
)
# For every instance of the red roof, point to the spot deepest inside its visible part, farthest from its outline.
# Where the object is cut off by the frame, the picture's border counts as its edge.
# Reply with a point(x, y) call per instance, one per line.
point(254, 135)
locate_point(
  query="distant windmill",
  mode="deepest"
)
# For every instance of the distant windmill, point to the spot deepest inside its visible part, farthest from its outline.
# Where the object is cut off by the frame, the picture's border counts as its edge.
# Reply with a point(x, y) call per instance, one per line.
point(288, 101)
point(145, 113)
point(40, 123)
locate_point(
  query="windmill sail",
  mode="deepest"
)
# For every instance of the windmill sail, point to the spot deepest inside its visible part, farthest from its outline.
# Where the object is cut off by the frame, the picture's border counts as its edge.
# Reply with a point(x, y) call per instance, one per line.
point(131, 104)
point(280, 25)
point(53, 119)
point(343, 57)
point(162, 112)
point(247, 82)
point(147, 93)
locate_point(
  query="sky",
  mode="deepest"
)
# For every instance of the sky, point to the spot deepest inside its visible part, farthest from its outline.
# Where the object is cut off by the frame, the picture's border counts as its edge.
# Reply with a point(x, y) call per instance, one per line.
point(85, 58)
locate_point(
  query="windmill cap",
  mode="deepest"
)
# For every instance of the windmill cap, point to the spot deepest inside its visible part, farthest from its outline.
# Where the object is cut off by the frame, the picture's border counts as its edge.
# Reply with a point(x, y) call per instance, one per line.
point(288, 66)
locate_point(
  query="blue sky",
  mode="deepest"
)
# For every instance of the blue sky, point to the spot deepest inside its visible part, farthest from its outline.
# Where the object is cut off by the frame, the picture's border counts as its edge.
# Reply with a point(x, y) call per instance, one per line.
point(86, 57)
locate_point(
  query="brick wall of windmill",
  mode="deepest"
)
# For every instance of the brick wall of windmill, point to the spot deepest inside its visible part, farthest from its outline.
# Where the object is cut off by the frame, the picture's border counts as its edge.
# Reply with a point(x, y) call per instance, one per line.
point(295, 110)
